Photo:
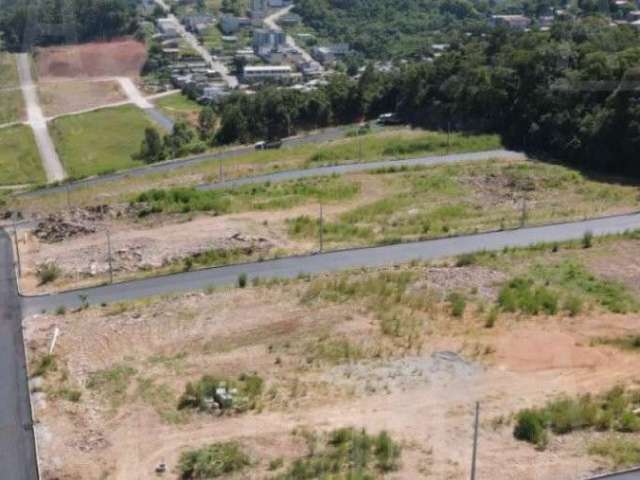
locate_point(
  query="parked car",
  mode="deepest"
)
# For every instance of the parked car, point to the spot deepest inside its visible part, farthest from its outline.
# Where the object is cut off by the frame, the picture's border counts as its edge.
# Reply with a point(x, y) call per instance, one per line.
point(389, 119)
point(268, 145)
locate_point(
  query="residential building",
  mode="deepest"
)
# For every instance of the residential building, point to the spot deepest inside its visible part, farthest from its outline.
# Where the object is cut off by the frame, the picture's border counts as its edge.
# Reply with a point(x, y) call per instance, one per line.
point(167, 27)
point(517, 22)
point(330, 53)
point(230, 24)
point(269, 73)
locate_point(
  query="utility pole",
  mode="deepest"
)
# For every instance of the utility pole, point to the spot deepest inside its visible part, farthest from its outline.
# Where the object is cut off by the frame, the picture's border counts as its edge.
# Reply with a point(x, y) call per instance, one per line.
point(109, 258)
point(68, 196)
point(15, 239)
point(475, 442)
point(321, 228)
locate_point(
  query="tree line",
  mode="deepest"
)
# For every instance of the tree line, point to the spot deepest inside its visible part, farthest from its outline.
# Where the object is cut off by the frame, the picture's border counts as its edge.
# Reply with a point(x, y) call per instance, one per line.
point(25, 23)
point(571, 93)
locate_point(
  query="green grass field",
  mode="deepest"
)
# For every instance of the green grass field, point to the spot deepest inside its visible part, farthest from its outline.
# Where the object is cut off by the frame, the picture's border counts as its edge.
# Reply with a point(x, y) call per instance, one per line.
point(11, 106)
point(99, 142)
point(19, 159)
point(8, 71)
point(179, 107)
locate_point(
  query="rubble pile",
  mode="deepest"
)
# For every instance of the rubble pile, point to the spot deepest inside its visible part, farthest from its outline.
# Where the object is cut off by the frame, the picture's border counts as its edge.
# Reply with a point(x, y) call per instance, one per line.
point(78, 221)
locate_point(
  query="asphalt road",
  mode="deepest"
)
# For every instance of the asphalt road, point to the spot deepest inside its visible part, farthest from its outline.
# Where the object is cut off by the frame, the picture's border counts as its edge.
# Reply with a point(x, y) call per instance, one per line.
point(633, 474)
point(334, 261)
point(325, 135)
point(360, 167)
point(17, 447)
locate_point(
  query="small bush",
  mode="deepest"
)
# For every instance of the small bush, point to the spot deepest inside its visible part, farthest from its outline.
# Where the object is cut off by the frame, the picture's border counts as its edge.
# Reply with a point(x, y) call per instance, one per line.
point(61, 310)
point(242, 280)
point(466, 260)
point(212, 461)
point(521, 294)
point(622, 452)
point(48, 272)
point(587, 239)
point(492, 317)
point(573, 305)
point(530, 427)
point(458, 304)
point(45, 364)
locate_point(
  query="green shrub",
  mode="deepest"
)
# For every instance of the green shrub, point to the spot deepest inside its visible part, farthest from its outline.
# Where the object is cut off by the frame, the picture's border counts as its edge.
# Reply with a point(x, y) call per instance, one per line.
point(622, 452)
point(458, 304)
point(492, 317)
point(46, 363)
point(573, 305)
point(522, 295)
point(48, 272)
point(587, 239)
point(242, 280)
point(212, 461)
point(61, 310)
point(466, 260)
point(348, 454)
point(530, 427)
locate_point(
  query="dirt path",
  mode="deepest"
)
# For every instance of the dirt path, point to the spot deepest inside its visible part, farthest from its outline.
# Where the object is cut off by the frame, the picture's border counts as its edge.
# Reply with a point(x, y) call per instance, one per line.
point(50, 161)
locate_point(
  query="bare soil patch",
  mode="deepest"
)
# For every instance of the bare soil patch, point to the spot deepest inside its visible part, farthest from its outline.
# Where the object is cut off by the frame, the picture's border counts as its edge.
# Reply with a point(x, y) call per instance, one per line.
point(423, 396)
point(122, 57)
point(72, 96)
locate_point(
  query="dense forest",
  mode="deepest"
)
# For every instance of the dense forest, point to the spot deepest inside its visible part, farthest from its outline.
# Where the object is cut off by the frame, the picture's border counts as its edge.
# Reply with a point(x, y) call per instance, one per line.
point(571, 93)
point(24, 23)
point(394, 29)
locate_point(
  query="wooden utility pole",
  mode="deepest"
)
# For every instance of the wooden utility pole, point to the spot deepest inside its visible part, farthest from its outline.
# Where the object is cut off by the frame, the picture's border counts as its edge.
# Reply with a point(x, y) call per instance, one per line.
point(475, 442)
point(109, 258)
point(15, 239)
point(321, 228)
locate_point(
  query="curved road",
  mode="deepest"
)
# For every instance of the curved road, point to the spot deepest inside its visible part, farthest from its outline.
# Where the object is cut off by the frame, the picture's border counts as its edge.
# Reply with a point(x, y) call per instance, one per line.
point(334, 261)
point(325, 135)
point(17, 446)
point(361, 167)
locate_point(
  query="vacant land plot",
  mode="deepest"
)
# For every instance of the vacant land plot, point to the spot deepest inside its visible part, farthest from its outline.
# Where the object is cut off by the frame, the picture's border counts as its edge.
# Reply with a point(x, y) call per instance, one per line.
point(122, 57)
point(71, 96)
point(168, 230)
point(126, 386)
point(179, 107)
point(11, 106)
point(346, 150)
point(101, 141)
point(8, 71)
point(19, 159)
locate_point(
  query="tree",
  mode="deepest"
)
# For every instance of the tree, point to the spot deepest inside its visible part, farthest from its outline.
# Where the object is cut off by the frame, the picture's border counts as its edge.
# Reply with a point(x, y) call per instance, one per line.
point(151, 150)
point(206, 123)
point(177, 142)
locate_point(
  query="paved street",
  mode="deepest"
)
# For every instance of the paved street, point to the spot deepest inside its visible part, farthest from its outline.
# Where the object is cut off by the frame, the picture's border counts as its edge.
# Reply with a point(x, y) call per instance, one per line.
point(320, 136)
point(335, 261)
point(17, 449)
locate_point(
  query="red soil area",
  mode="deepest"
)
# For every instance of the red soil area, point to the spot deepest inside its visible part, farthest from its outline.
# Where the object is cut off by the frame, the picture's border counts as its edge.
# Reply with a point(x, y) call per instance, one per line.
point(122, 57)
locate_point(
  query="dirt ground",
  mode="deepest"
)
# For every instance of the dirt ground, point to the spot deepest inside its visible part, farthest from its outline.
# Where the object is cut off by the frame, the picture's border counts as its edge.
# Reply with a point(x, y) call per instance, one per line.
point(72, 96)
point(139, 246)
point(422, 394)
point(121, 57)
